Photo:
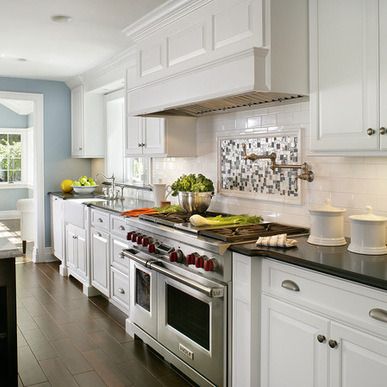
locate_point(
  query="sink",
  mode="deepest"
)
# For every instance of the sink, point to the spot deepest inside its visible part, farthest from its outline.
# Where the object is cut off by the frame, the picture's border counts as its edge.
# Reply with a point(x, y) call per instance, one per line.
point(75, 211)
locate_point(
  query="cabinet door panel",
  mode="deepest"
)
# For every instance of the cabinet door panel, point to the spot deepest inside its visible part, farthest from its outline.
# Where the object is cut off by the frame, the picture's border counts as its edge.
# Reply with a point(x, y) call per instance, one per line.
point(71, 253)
point(154, 134)
point(57, 226)
point(344, 74)
point(383, 71)
point(100, 261)
point(77, 121)
point(134, 138)
point(291, 354)
point(81, 253)
point(359, 359)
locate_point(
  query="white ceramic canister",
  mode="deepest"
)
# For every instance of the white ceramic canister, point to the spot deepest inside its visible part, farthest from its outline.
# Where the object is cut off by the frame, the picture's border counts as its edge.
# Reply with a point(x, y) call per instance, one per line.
point(160, 193)
point(368, 233)
point(327, 225)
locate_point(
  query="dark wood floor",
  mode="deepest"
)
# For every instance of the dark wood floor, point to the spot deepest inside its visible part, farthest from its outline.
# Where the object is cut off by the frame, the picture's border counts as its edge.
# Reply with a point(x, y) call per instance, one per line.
point(66, 339)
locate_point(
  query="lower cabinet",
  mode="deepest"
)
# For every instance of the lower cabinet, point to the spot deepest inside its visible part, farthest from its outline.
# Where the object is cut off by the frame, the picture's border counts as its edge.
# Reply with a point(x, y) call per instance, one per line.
point(100, 262)
point(76, 253)
point(119, 289)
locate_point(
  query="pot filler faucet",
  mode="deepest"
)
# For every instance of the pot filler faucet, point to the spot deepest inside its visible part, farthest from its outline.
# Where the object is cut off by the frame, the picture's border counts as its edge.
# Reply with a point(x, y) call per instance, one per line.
point(306, 172)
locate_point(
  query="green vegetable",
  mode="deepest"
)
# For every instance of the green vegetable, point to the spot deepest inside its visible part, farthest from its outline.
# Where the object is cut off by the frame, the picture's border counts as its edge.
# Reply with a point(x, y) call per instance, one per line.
point(192, 183)
point(171, 209)
point(199, 221)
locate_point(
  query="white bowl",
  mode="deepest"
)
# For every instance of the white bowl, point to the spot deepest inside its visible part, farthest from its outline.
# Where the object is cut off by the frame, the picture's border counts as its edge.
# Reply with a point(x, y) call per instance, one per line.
point(85, 190)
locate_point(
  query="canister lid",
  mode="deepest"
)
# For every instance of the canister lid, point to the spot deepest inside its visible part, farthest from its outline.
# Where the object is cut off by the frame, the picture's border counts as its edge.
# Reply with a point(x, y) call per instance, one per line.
point(368, 217)
point(327, 207)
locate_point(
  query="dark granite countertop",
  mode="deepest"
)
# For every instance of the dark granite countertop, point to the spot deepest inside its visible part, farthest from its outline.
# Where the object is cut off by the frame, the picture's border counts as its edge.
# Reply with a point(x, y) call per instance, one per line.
point(338, 261)
point(73, 195)
point(119, 205)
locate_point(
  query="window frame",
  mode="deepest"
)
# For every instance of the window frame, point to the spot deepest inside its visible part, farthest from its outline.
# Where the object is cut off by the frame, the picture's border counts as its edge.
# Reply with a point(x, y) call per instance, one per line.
point(23, 183)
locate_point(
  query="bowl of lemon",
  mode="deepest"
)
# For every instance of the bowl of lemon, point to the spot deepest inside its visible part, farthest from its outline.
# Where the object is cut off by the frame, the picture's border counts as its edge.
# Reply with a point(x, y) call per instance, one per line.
point(84, 185)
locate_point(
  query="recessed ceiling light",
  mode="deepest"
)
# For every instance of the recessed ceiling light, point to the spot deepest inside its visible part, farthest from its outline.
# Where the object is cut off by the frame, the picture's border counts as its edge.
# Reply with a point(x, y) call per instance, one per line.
point(21, 59)
point(61, 19)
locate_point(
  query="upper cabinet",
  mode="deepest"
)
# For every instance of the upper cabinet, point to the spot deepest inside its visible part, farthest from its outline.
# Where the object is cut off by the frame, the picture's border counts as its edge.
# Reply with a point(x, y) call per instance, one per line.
point(161, 137)
point(348, 75)
point(189, 51)
point(87, 129)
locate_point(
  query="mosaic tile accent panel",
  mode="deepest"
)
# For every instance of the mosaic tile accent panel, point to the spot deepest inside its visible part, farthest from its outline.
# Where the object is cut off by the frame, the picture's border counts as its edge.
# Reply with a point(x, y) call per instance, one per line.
point(255, 177)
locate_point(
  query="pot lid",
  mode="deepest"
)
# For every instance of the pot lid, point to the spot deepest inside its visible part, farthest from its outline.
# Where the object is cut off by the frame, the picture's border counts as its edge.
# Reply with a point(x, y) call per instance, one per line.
point(327, 207)
point(369, 216)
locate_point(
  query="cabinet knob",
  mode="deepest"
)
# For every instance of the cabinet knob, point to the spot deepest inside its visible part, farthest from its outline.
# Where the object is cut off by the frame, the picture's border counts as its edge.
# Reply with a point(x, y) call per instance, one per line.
point(290, 285)
point(382, 130)
point(98, 234)
point(332, 343)
point(100, 220)
point(80, 148)
point(139, 145)
point(143, 144)
point(121, 291)
point(321, 338)
point(370, 131)
point(122, 228)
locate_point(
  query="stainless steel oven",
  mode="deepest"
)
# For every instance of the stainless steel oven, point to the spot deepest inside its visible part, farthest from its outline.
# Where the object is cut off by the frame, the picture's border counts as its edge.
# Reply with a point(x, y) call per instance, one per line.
point(183, 311)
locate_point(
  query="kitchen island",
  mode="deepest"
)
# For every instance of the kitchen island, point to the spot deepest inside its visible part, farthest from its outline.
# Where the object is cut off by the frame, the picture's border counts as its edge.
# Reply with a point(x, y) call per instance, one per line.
point(8, 343)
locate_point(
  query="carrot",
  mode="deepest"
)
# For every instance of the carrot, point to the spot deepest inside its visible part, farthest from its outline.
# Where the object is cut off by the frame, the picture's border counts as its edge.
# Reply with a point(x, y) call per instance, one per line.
point(139, 211)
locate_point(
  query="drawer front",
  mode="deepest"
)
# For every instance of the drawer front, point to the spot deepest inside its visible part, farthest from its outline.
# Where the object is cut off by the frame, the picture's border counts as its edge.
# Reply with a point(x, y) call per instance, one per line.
point(118, 226)
point(117, 260)
point(100, 219)
point(337, 298)
point(120, 288)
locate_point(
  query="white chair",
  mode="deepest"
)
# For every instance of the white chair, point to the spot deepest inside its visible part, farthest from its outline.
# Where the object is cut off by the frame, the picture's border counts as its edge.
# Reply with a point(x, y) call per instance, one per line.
point(27, 220)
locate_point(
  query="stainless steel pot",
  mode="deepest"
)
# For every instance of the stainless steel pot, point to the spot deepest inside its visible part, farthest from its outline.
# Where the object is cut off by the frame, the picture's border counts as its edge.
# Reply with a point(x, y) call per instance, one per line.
point(195, 202)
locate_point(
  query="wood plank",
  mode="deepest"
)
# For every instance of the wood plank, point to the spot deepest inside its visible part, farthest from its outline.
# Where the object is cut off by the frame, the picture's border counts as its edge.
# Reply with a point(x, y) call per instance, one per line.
point(89, 379)
point(39, 344)
point(29, 369)
point(57, 373)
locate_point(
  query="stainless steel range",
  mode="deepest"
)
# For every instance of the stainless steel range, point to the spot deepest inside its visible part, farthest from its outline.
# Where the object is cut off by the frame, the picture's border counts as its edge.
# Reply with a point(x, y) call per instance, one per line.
point(180, 290)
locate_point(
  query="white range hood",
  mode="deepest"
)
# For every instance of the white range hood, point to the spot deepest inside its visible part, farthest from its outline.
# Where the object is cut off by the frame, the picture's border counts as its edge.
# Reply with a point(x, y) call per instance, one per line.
point(248, 53)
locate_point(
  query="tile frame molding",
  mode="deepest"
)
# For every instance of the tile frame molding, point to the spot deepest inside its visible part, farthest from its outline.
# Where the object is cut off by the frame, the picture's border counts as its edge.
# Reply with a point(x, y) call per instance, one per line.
point(254, 134)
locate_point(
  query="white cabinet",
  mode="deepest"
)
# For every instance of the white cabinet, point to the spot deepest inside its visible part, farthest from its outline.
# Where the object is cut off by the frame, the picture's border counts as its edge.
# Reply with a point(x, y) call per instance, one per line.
point(291, 354)
point(100, 262)
point(87, 129)
point(161, 137)
point(57, 230)
point(347, 71)
point(76, 252)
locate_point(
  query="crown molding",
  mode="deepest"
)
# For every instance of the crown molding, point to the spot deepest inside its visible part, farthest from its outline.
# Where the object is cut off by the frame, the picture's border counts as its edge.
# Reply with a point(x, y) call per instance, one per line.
point(161, 16)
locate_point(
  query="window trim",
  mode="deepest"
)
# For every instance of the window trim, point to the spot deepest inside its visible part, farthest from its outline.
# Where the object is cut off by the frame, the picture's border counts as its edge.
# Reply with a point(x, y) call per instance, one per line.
point(23, 183)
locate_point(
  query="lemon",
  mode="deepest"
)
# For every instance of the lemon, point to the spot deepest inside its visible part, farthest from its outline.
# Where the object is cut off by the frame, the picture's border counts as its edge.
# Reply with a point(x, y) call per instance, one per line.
point(66, 185)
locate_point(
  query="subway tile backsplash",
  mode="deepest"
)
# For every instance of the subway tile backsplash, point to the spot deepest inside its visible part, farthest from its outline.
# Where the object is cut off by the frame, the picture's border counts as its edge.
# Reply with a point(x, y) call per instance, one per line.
point(351, 182)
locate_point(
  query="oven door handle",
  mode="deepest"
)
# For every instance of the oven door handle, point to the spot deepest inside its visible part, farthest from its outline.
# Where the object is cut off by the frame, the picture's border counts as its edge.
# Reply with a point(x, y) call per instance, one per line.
point(212, 292)
point(215, 292)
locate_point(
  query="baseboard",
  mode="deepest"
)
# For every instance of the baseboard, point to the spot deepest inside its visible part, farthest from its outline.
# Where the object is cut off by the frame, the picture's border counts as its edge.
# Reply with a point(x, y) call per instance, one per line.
point(43, 255)
point(11, 214)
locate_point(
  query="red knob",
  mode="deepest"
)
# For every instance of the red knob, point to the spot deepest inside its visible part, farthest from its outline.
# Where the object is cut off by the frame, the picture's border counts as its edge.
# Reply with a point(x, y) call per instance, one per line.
point(209, 265)
point(190, 259)
point(173, 256)
point(129, 235)
point(199, 262)
point(134, 237)
point(145, 241)
point(139, 239)
point(152, 248)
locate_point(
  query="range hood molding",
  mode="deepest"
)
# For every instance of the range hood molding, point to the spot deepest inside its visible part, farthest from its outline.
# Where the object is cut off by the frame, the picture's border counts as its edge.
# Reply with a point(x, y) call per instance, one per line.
point(240, 80)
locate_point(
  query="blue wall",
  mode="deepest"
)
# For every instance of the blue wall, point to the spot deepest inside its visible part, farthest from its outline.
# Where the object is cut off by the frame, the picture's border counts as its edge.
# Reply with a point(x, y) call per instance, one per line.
point(58, 164)
point(10, 119)
point(9, 197)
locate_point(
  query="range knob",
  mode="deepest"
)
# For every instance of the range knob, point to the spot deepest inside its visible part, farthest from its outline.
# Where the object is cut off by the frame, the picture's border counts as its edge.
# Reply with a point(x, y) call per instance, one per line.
point(139, 239)
point(145, 241)
point(180, 256)
point(190, 259)
point(134, 237)
point(152, 248)
point(199, 262)
point(129, 235)
point(173, 256)
point(209, 265)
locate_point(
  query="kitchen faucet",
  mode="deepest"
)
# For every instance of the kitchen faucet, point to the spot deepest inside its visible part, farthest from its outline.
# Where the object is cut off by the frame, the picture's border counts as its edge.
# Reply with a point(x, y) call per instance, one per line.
point(112, 189)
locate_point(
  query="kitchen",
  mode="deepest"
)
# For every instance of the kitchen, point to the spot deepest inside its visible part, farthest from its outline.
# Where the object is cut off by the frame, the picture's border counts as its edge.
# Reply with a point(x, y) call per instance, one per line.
point(210, 87)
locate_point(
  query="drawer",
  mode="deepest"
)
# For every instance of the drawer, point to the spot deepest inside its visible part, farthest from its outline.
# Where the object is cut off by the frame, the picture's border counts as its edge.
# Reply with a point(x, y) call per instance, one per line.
point(118, 226)
point(120, 288)
point(100, 219)
point(330, 296)
point(119, 262)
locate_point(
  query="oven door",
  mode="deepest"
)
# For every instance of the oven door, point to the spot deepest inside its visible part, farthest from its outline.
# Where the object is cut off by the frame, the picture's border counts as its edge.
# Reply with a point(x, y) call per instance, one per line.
point(143, 297)
point(192, 325)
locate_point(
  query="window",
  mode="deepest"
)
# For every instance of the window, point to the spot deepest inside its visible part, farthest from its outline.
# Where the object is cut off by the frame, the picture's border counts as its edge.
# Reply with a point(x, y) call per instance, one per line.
point(10, 157)
point(137, 170)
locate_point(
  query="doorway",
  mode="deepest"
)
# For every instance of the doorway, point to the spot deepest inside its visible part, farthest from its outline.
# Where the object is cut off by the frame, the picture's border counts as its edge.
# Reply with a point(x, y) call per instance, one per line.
point(22, 168)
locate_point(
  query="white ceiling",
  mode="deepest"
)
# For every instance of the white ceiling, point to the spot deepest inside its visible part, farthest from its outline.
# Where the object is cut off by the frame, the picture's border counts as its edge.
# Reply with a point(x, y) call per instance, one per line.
point(60, 51)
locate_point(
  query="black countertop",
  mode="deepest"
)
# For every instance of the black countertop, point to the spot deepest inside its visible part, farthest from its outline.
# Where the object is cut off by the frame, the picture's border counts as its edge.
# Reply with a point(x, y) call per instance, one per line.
point(338, 261)
point(73, 195)
point(119, 205)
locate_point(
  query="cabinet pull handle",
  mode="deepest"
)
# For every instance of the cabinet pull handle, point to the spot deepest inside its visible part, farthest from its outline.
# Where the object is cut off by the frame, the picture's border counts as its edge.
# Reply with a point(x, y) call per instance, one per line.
point(122, 228)
point(333, 343)
point(143, 144)
point(378, 314)
point(100, 220)
point(370, 131)
point(80, 148)
point(139, 145)
point(382, 130)
point(120, 290)
point(321, 338)
point(290, 285)
point(99, 234)
point(121, 255)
